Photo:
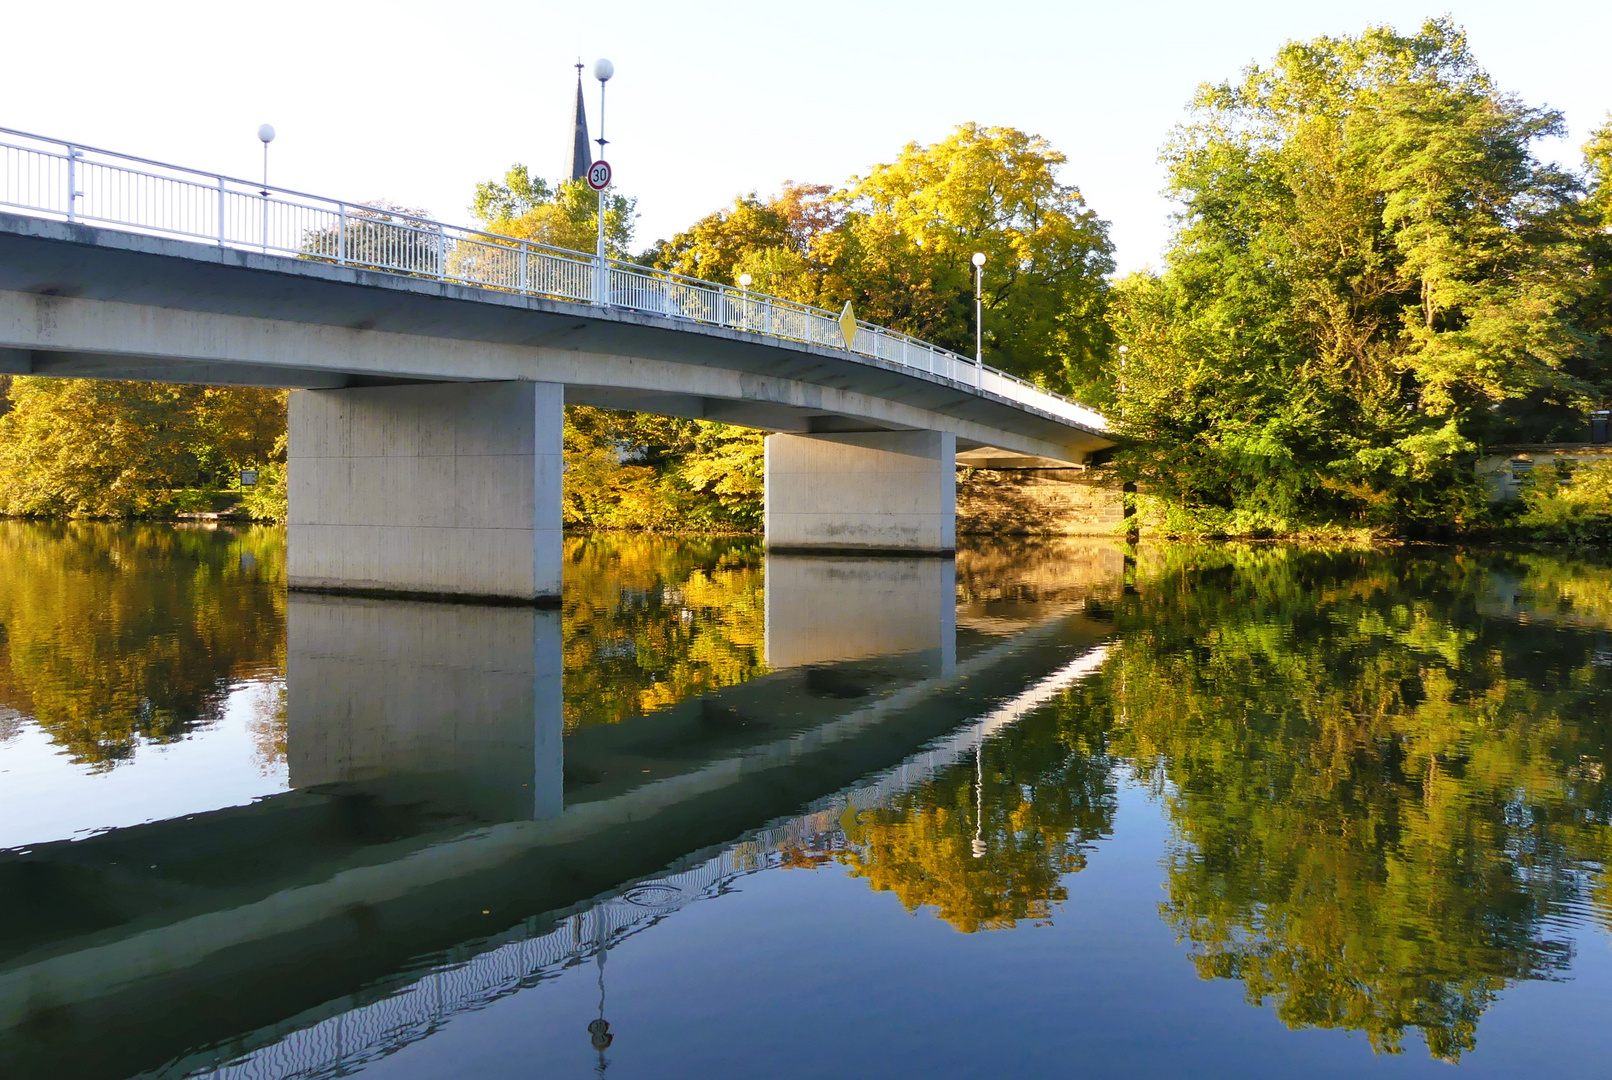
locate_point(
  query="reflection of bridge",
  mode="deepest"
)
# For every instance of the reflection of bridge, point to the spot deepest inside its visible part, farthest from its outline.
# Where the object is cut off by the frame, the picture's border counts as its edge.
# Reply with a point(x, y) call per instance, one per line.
point(432, 787)
point(453, 486)
point(343, 1034)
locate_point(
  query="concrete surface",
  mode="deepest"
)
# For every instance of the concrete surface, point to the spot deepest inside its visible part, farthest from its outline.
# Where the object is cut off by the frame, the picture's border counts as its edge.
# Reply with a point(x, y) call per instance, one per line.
point(889, 492)
point(446, 490)
point(79, 301)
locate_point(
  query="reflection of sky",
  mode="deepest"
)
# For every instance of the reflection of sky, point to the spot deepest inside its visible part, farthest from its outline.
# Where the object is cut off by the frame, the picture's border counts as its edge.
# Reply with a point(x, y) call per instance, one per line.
point(45, 795)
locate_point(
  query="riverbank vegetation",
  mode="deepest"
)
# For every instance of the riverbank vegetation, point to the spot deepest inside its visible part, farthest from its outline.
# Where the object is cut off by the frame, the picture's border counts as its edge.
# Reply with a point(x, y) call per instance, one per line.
point(1374, 278)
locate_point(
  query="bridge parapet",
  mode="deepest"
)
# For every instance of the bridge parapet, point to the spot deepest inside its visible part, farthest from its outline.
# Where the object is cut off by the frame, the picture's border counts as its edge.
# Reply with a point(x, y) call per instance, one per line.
point(63, 180)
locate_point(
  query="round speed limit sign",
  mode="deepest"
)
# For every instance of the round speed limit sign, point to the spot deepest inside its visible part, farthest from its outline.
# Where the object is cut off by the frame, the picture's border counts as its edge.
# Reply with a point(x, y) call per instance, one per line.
point(599, 175)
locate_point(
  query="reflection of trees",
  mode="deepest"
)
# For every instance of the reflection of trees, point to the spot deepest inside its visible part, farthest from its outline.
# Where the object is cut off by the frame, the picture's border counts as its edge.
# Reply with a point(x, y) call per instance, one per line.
point(1382, 801)
point(649, 621)
point(987, 843)
point(111, 635)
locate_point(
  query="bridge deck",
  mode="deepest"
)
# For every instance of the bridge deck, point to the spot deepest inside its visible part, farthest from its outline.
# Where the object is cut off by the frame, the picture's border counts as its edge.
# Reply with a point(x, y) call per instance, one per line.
point(84, 301)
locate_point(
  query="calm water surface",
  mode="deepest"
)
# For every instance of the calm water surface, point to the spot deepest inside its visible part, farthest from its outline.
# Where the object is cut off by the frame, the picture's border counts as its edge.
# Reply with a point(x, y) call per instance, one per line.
point(1042, 811)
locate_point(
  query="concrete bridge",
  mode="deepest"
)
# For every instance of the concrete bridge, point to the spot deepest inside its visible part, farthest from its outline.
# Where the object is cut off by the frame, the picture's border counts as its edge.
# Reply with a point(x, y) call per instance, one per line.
point(434, 362)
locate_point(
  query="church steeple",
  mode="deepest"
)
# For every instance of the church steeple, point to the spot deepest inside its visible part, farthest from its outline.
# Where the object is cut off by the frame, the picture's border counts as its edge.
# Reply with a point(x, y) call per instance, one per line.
point(580, 157)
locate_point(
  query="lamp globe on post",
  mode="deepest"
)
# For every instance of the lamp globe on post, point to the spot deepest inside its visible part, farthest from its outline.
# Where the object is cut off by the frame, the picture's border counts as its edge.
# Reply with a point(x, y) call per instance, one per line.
point(265, 134)
point(603, 70)
point(979, 312)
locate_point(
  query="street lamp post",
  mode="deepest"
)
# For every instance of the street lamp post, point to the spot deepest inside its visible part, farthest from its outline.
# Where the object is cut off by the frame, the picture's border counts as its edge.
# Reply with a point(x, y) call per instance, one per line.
point(265, 133)
point(744, 293)
point(602, 70)
point(979, 309)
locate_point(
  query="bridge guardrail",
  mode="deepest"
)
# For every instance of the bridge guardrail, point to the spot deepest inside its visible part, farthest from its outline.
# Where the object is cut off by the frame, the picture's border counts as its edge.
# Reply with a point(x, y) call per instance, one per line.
point(84, 184)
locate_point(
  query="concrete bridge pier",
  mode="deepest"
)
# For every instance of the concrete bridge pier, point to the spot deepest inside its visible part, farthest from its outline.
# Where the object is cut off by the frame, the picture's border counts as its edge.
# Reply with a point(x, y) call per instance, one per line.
point(439, 490)
point(891, 492)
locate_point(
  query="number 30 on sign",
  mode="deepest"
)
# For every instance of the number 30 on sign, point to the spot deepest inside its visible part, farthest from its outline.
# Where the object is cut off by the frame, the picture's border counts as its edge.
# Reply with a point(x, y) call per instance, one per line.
point(599, 175)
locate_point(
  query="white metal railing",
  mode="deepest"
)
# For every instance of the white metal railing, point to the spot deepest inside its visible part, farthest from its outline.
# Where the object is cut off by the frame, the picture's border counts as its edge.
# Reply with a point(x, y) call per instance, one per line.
point(83, 184)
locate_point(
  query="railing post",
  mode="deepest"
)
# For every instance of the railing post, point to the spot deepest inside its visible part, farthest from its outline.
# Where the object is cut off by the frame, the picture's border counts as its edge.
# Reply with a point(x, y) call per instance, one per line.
point(223, 204)
point(524, 250)
point(72, 183)
point(442, 254)
point(341, 235)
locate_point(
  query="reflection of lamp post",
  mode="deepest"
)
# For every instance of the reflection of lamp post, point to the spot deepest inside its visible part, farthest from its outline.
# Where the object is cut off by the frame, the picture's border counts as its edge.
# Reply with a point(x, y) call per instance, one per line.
point(599, 1030)
point(265, 132)
point(602, 70)
point(979, 800)
point(979, 311)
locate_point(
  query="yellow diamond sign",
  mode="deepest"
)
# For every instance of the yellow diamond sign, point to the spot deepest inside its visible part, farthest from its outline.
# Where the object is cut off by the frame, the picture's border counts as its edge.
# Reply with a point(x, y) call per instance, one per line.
point(848, 326)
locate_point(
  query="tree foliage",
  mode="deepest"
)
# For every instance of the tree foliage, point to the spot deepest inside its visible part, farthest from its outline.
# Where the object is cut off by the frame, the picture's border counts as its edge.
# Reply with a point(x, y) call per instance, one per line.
point(660, 473)
point(897, 245)
point(1371, 275)
point(564, 215)
point(87, 448)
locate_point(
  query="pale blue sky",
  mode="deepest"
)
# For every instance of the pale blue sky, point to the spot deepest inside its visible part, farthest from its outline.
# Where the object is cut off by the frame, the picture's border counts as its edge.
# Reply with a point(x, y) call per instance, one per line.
point(416, 101)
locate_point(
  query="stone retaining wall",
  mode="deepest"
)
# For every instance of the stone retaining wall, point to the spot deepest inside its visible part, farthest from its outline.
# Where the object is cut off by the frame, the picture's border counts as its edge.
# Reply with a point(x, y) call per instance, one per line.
point(1039, 502)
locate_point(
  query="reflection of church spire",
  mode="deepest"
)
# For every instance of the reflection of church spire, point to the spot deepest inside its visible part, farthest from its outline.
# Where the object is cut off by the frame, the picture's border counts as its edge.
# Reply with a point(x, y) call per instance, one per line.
point(580, 159)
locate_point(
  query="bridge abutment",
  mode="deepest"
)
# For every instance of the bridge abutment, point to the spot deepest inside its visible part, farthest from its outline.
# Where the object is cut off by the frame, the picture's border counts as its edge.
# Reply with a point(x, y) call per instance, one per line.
point(431, 490)
point(879, 491)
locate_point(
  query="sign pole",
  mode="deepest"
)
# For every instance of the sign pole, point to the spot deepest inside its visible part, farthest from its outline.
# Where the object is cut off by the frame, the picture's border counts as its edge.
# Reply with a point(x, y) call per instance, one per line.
point(599, 180)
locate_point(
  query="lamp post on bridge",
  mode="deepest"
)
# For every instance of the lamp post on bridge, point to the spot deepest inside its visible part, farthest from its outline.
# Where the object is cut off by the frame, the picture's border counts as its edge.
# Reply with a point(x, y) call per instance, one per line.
point(265, 133)
point(979, 310)
point(744, 292)
point(599, 180)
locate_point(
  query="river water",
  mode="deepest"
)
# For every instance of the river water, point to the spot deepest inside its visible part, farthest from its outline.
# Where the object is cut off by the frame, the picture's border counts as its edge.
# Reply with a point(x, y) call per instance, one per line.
point(1045, 810)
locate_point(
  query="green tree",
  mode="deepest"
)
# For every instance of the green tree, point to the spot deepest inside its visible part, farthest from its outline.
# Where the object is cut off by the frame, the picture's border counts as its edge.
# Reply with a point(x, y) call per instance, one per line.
point(87, 448)
point(912, 226)
point(642, 471)
point(1370, 272)
point(565, 215)
point(897, 245)
point(1595, 307)
point(779, 241)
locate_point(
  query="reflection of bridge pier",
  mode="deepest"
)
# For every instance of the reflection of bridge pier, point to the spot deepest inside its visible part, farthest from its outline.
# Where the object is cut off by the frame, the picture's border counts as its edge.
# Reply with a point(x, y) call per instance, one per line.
point(823, 609)
point(458, 703)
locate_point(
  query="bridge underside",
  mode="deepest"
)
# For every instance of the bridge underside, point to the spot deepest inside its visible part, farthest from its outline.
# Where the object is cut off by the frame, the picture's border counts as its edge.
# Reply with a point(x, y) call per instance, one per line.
point(426, 455)
point(758, 414)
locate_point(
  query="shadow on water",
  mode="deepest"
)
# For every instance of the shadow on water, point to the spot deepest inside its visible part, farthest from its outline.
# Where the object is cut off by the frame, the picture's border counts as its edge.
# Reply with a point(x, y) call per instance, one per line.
point(1384, 777)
